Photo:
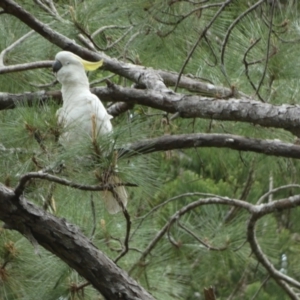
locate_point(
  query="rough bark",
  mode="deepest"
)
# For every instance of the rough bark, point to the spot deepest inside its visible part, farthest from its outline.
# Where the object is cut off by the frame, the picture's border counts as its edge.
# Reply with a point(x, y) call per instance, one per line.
point(144, 77)
point(138, 74)
point(187, 106)
point(69, 244)
point(200, 140)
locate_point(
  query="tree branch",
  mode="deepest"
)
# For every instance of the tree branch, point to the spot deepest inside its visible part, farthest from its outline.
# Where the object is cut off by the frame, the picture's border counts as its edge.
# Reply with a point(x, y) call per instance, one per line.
point(187, 106)
point(213, 200)
point(70, 245)
point(147, 77)
point(12, 46)
point(194, 106)
point(279, 277)
point(26, 66)
point(41, 175)
point(184, 141)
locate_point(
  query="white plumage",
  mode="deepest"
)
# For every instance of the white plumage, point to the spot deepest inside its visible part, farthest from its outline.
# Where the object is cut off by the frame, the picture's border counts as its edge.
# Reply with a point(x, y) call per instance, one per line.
point(82, 113)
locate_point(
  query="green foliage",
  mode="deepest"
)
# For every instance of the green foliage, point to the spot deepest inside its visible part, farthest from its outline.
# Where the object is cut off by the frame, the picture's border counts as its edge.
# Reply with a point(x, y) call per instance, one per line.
point(155, 33)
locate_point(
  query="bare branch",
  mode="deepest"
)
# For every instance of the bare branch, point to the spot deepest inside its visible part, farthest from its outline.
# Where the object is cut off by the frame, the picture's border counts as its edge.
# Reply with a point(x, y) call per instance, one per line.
point(224, 4)
point(137, 74)
point(194, 106)
point(233, 24)
point(171, 142)
point(273, 191)
point(157, 207)
point(12, 46)
point(127, 235)
point(26, 66)
point(45, 176)
point(205, 244)
point(87, 42)
point(195, 85)
point(267, 53)
point(103, 28)
point(216, 200)
point(279, 277)
point(110, 45)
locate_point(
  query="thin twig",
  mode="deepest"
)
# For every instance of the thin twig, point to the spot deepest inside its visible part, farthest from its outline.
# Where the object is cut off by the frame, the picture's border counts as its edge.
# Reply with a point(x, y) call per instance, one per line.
point(94, 217)
point(155, 208)
point(267, 51)
point(273, 191)
point(198, 41)
point(103, 28)
point(247, 64)
point(128, 226)
point(233, 24)
point(261, 286)
point(191, 206)
point(239, 284)
point(45, 176)
point(13, 45)
point(26, 66)
point(199, 240)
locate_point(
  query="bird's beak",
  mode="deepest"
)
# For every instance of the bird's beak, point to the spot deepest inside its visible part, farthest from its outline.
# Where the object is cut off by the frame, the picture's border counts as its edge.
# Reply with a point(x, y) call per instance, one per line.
point(56, 66)
point(90, 66)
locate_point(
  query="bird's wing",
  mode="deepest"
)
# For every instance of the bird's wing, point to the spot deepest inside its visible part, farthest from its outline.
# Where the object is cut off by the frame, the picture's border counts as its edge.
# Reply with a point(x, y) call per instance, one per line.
point(83, 116)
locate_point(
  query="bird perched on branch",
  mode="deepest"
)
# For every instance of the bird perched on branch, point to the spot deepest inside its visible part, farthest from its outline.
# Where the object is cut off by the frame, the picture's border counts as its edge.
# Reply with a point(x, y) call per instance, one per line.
point(83, 113)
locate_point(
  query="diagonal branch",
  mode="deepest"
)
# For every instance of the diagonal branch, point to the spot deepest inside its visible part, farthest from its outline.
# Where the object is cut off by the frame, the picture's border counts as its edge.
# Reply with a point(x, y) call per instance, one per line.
point(139, 74)
point(68, 243)
point(13, 45)
point(279, 277)
point(224, 4)
point(147, 77)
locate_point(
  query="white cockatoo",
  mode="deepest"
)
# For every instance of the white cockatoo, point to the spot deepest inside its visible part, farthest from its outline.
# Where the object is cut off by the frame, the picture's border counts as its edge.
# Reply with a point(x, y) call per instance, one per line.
point(83, 113)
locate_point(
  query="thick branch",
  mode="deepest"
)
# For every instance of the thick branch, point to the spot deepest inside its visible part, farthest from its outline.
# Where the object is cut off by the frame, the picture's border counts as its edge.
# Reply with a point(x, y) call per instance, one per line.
point(69, 244)
point(197, 86)
point(187, 106)
point(10, 101)
point(138, 74)
point(146, 77)
point(183, 141)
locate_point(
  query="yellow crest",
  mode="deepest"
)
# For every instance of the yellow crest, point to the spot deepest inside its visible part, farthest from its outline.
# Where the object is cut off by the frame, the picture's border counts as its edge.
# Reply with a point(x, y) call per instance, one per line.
point(89, 65)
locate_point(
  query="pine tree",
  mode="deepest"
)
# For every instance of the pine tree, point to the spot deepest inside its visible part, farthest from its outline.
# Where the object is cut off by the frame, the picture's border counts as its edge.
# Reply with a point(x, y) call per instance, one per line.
point(206, 126)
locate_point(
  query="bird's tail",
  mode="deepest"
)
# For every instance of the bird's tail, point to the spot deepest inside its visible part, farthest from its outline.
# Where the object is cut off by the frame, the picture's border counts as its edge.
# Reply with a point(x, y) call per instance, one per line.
point(110, 200)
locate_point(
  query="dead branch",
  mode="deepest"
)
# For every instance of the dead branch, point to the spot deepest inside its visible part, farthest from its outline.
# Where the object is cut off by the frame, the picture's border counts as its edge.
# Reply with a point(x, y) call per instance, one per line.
point(224, 4)
point(45, 176)
point(175, 217)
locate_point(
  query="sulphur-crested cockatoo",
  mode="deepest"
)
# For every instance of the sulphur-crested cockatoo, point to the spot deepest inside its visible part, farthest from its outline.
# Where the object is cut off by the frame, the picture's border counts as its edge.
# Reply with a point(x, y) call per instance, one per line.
point(83, 113)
